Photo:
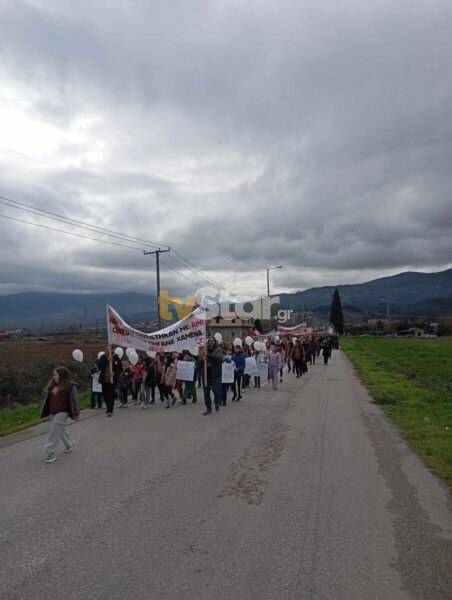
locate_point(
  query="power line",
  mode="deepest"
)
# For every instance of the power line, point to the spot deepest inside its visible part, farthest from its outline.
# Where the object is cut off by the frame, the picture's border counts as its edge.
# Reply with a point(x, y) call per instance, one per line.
point(70, 221)
point(196, 268)
point(191, 270)
point(94, 228)
point(181, 274)
point(85, 237)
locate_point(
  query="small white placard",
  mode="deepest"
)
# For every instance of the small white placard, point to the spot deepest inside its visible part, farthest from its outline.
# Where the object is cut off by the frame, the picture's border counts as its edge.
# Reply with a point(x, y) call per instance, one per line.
point(262, 369)
point(185, 370)
point(250, 366)
point(227, 372)
point(97, 387)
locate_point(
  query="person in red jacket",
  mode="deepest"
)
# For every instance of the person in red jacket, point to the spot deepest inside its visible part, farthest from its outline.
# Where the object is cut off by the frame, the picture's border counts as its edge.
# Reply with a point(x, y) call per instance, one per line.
point(137, 379)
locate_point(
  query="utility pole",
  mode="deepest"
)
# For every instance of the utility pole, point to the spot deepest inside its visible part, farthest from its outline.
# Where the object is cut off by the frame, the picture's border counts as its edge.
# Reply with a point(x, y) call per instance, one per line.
point(157, 264)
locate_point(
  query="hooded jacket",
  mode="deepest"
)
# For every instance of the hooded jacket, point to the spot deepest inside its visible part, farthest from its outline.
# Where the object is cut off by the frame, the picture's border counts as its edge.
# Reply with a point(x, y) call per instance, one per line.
point(73, 402)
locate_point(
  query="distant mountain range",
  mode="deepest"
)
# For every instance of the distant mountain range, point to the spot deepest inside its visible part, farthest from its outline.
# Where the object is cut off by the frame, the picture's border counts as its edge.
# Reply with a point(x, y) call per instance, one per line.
point(35, 309)
point(423, 295)
point(407, 294)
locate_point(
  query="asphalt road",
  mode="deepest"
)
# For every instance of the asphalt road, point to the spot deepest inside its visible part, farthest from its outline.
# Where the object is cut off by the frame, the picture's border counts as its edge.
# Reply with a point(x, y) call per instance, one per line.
point(307, 492)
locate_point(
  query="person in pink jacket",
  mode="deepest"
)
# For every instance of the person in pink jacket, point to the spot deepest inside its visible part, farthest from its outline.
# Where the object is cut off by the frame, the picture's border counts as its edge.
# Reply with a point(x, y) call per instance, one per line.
point(169, 381)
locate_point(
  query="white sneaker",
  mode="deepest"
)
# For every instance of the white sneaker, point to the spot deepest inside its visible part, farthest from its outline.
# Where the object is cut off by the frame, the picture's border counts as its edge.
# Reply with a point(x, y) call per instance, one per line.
point(67, 450)
point(51, 459)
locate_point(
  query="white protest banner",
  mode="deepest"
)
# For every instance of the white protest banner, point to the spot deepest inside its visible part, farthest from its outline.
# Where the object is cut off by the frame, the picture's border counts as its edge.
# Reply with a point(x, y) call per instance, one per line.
point(187, 334)
point(185, 370)
point(96, 387)
point(227, 372)
point(297, 330)
point(250, 366)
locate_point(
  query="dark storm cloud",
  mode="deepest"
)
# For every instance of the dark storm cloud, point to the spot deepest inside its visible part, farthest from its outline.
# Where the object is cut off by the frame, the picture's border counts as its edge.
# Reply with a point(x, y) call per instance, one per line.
point(243, 134)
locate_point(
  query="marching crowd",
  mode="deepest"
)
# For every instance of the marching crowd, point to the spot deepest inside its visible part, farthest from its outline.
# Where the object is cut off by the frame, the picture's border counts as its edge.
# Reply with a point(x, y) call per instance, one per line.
point(156, 376)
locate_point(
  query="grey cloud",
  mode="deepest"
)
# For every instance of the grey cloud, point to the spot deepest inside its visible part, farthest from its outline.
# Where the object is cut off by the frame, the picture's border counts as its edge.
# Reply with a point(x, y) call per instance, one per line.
point(332, 125)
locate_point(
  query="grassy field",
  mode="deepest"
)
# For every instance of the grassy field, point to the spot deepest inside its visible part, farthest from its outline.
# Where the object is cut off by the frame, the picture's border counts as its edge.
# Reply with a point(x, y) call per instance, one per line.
point(25, 368)
point(412, 381)
point(21, 417)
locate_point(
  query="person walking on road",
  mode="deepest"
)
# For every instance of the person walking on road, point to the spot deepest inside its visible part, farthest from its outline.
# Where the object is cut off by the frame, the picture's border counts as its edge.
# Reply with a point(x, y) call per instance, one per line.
point(239, 361)
point(214, 358)
point(325, 352)
point(149, 383)
point(124, 383)
point(274, 364)
point(107, 380)
point(297, 357)
point(61, 403)
point(169, 381)
point(96, 388)
point(190, 386)
point(137, 370)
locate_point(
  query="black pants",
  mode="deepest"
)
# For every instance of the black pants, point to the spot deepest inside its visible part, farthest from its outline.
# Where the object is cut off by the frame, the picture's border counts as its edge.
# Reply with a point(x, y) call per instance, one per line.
point(153, 385)
point(237, 386)
point(161, 387)
point(298, 366)
point(108, 394)
point(96, 398)
point(122, 394)
point(136, 388)
point(225, 387)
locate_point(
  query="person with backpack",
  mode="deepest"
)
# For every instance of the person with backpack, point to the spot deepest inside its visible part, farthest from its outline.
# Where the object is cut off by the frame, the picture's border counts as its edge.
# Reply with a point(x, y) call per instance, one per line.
point(61, 403)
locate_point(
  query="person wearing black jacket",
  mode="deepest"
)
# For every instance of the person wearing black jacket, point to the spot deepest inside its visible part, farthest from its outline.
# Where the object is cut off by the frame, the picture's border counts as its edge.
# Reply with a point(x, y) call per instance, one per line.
point(108, 378)
point(214, 357)
point(149, 382)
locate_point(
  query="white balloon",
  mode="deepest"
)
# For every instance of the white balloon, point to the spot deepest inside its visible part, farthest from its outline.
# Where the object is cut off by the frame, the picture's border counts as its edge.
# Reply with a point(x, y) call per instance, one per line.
point(119, 352)
point(77, 355)
point(100, 354)
point(218, 337)
point(150, 353)
point(294, 340)
point(248, 340)
point(129, 352)
point(133, 357)
point(263, 346)
point(238, 342)
point(276, 338)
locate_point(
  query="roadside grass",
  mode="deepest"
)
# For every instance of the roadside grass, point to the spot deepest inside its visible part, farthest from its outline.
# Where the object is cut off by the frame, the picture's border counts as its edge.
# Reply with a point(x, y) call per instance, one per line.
point(23, 416)
point(412, 381)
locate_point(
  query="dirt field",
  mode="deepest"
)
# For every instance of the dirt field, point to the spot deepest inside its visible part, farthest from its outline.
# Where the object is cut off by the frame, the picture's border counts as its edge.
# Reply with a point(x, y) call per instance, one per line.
point(17, 353)
point(26, 365)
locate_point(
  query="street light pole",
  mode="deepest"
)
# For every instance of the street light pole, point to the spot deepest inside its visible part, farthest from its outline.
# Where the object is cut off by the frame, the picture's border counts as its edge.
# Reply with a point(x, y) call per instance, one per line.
point(268, 278)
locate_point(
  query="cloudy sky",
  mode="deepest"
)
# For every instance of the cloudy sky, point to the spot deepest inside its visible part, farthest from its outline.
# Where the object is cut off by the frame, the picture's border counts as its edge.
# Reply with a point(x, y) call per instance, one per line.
point(242, 133)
